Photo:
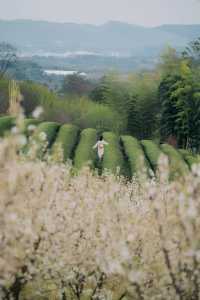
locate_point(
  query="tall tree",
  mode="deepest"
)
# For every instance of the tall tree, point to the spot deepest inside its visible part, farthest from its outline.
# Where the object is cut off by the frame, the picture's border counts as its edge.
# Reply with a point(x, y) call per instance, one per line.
point(169, 62)
point(112, 91)
point(169, 110)
point(180, 99)
point(144, 105)
point(76, 84)
point(192, 51)
point(7, 57)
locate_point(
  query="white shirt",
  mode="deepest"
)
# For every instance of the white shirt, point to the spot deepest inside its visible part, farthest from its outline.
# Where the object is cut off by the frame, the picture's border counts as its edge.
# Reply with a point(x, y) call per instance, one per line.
point(100, 146)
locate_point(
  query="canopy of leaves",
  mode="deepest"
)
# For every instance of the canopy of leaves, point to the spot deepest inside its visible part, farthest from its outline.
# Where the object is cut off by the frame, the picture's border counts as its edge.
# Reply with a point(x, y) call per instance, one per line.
point(180, 99)
point(76, 84)
point(7, 57)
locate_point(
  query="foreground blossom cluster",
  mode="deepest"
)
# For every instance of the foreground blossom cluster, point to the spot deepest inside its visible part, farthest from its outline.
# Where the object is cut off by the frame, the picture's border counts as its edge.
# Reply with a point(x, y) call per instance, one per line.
point(66, 236)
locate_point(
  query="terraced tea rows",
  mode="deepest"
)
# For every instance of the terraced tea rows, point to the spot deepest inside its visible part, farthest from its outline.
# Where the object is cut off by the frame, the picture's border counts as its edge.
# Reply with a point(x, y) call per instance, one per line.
point(124, 153)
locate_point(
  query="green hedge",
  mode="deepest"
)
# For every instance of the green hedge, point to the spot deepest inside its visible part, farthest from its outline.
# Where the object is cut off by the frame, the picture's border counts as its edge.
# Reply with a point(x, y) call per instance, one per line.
point(190, 158)
point(66, 138)
point(6, 123)
point(152, 153)
point(27, 123)
point(50, 130)
point(135, 155)
point(113, 157)
point(85, 154)
point(4, 96)
point(178, 166)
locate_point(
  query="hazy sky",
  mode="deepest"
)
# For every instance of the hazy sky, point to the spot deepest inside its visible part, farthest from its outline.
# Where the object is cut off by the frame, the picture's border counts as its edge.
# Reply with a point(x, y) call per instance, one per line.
point(141, 12)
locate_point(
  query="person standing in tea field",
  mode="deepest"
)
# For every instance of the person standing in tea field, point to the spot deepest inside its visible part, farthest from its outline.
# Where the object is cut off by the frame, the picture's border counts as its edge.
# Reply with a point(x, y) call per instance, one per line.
point(100, 147)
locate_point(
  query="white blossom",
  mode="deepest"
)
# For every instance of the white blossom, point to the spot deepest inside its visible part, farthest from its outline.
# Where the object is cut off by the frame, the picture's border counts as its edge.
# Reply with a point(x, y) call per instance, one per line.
point(37, 112)
point(31, 127)
point(42, 136)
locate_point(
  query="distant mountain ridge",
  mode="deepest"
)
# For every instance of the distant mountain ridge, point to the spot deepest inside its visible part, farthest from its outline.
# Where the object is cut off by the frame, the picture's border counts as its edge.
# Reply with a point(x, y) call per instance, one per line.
point(110, 38)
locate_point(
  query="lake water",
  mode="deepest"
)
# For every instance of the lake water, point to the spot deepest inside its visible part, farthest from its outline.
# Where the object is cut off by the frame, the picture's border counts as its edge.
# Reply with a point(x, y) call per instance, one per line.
point(63, 72)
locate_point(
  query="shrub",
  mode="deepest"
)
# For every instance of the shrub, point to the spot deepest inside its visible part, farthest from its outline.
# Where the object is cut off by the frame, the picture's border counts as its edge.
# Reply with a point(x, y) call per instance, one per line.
point(50, 128)
point(152, 153)
point(113, 157)
point(66, 138)
point(190, 158)
point(103, 118)
point(6, 124)
point(135, 155)
point(84, 114)
point(178, 166)
point(43, 137)
point(4, 97)
point(81, 112)
point(85, 154)
point(27, 123)
point(36, 95)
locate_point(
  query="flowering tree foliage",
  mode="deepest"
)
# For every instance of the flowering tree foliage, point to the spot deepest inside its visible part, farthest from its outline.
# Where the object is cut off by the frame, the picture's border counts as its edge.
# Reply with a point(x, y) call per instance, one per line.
point(95, 237)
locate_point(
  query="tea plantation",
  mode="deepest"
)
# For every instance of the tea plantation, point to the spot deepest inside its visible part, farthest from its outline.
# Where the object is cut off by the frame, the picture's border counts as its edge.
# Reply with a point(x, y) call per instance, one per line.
point(124, 154)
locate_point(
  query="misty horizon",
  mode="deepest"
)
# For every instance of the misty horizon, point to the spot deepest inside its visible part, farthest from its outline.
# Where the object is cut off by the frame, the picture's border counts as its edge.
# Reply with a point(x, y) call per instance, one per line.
point(93, 24)
point(137, 12)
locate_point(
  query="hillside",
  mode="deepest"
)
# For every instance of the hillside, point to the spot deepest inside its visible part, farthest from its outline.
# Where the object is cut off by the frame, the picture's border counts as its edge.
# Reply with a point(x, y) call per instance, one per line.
point(113, 37)
point(125, 153)
point(189, 31)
